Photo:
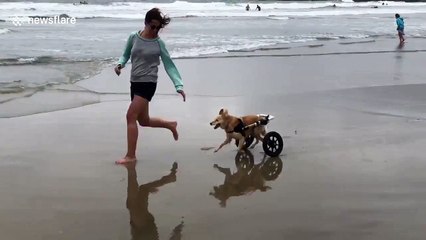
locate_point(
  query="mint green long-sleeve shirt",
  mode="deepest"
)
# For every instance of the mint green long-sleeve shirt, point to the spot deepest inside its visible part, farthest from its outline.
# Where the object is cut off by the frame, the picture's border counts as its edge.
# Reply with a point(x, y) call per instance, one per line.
point(145, 57)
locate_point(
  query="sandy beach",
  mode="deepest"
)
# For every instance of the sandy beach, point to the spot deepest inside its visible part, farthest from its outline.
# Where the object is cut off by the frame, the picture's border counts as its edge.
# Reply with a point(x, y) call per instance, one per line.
point(352, 119)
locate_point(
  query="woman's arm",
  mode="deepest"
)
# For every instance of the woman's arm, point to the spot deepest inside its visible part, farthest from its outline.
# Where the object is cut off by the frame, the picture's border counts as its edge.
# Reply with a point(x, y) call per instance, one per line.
point(127, 51)
point(170, 67)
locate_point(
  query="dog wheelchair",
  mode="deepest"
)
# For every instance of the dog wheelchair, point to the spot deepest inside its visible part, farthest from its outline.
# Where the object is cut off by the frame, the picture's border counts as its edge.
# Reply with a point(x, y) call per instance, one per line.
point(272, 143)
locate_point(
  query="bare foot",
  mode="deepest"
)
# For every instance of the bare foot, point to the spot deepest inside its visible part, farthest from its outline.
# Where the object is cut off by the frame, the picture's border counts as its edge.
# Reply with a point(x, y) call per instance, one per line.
point(126, 160)
point(129, 165)
point(172, 128)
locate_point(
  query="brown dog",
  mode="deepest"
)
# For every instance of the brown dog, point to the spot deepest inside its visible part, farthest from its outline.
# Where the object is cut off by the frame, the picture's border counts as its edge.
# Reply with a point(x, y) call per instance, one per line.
point(233, 127)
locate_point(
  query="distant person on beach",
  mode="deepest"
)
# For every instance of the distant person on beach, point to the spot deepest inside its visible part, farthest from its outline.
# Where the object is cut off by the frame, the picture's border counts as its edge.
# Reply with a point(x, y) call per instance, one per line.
point(145, 49)
point(258, 8)
point(400, 27)
point(81, 3)
point(248, 7)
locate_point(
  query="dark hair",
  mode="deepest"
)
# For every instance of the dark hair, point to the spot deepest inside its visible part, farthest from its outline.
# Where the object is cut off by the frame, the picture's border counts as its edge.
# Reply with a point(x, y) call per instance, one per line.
point(397, 15)
point(155, 14)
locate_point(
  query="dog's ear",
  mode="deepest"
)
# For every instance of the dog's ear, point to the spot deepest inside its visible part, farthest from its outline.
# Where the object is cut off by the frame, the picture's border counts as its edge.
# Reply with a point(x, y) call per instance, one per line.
point(223, 112)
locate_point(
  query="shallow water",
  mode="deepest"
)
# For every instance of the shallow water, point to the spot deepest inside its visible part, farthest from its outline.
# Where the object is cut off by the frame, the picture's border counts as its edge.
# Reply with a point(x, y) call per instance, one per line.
point(34, 58)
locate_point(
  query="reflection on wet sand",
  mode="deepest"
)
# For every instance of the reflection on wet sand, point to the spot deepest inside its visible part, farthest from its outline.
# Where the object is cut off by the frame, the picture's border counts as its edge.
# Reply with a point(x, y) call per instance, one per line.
point(248, 178)
point(142, 222)
point(398, 73)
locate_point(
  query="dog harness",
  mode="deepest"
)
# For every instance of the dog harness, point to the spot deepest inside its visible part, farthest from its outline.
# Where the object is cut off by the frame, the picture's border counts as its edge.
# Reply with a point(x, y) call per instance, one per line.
point(239, 128)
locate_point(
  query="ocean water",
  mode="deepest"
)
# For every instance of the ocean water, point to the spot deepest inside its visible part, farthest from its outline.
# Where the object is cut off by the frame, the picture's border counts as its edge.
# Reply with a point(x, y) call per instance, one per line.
point(33, 57)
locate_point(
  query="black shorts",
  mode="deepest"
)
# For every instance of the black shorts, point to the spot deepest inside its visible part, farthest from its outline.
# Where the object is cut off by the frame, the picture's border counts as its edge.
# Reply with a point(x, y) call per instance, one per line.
point(142, 89)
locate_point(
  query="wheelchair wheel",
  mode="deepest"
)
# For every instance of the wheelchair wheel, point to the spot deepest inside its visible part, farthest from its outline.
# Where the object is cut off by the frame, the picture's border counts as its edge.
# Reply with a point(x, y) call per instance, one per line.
point(273, 144)
point(272, 168)
point(248, 141)
point(244, 160)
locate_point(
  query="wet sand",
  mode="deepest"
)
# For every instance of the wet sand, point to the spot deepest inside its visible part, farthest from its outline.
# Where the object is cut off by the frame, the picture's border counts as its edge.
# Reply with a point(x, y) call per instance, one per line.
point(352, 165)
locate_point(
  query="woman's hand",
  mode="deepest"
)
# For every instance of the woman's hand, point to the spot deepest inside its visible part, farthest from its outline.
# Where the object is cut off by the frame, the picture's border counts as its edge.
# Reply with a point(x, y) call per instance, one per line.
point(181, 92)
point(117, 69)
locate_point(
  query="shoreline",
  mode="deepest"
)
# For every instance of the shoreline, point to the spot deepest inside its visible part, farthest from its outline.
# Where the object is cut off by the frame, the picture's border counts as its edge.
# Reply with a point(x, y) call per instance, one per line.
point(90, 94)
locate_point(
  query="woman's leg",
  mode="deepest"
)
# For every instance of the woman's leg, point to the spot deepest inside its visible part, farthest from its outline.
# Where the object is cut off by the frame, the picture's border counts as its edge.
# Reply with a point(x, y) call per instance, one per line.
point(401, 36)
point(138, 107)
point(146, 121)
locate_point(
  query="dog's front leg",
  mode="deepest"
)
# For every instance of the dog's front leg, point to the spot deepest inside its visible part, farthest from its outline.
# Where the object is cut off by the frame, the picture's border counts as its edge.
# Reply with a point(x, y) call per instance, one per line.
point(227, 140)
